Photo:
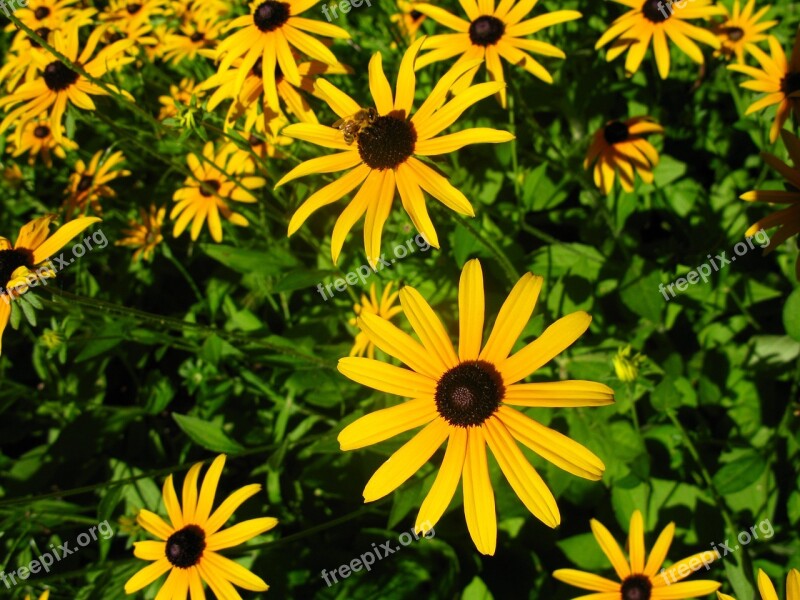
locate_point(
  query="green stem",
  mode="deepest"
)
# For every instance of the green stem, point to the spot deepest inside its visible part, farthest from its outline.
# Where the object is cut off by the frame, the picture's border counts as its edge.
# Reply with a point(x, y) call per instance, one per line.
point(505, 263)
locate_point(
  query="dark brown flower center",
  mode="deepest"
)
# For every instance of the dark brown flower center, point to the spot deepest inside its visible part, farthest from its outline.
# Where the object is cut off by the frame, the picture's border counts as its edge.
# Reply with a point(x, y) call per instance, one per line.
point(197, 36)
point(416, 15)
point(469, 393)
point(657, 11)
point(254, 140)
point(791, 83)
point(115, 37)
point(41, 131)
point(636, 587)
point(734, 33)
point(185, 547)
point(58, 76)
point(133, 8)
point(42, 32)
point(85, 183)
point(41, 13)
point(10, 261)
point(210, 187)
point(616, 132)
point(486, 30)
point(271, 15)
point(387, 143)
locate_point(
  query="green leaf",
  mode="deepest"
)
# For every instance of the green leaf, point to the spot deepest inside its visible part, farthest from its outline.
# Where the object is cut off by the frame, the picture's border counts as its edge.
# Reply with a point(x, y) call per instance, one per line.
point(791, 315)
point(207, 435)
point(740, 473)
point(476, 590)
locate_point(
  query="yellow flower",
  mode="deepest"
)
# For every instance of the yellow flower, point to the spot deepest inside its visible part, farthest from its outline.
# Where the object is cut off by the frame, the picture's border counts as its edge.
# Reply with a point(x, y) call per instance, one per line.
point(778, 78)
point(37, 139)
point(627, 366)
point(180, 96)
point(787, 219)
point(145, 234)
point(741, 30)
point(640, 578)
point(58, 84)
point(491, 34)
point(269, 33)
point(261, 144)
point(659, 20)
point(409, 19)
point(385, 308)
point(767, 590)
point(246, 93)
point(384, 157)
point(89, 182)
point(619, 148)
point(38, 14)
point(33, 246)
point(188, 547)
point(465, 397)
point(45, 596)
point(206, 193)
point(199, 34)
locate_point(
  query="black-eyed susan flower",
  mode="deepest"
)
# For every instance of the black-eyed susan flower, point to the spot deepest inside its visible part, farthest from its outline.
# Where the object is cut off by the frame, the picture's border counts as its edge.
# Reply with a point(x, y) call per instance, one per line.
point(246, 93)
point(491, 34)
point(206, 194)
point(659, 21)
point(179, 97)
point(640, 578)
point(128, 13)
point(37, 139)
point(261, 143)
point(408, 19)
point(619, 148)
point(742, 29)
point(778, 78)
point(145, 234)
point(199, 34)
point(89, 182)
point(38, 14)
point(385, 307)
point(188, 547)
point(466, 397)
point(56, 84)
point(767, 590)
point(382, 157)
point(787, 219)
point(269, 32)
point(20, 264)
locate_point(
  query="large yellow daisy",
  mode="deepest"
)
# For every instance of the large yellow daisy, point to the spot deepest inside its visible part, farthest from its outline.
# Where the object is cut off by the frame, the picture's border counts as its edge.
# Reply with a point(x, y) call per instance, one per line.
point(491, 34)
point(620, 148)
point(384, 154)
point(767, 590)
point(208, 190)
point(465, 397)
point(659, 20)
point(58, 84)
point(188, 547)
point(778, 78)
point(33, 246)
point(269, 33)
point(787, 219)
point(640, 579)
point(742, 29)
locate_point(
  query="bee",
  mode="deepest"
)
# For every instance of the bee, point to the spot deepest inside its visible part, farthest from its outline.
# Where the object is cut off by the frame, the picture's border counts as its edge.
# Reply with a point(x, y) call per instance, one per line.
point(351, 126)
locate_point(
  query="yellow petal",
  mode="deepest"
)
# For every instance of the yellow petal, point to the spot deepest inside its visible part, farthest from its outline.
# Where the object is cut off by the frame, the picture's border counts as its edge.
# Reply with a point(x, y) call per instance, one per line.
point(379, 86)
point(387, 423)
point(636, 542)
point(587, 581)
point(554, 340)
point(523, 478)
point(470, 311)
point(512, 319)
point(171, 503)
point(444, 486)
point(233, 572)
point(429, 329)
point(455, 141)
point(479, 508)
point(610, 548)
point(387, 378)
point(224, 511)
point(659, 552)
point(209, 490)
point(63, 235)
point(154, 524)
point(190, 493)
point(149, 550)
point(406, 461)
point(147, 575)
point(239, 533)
point(559, 394)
